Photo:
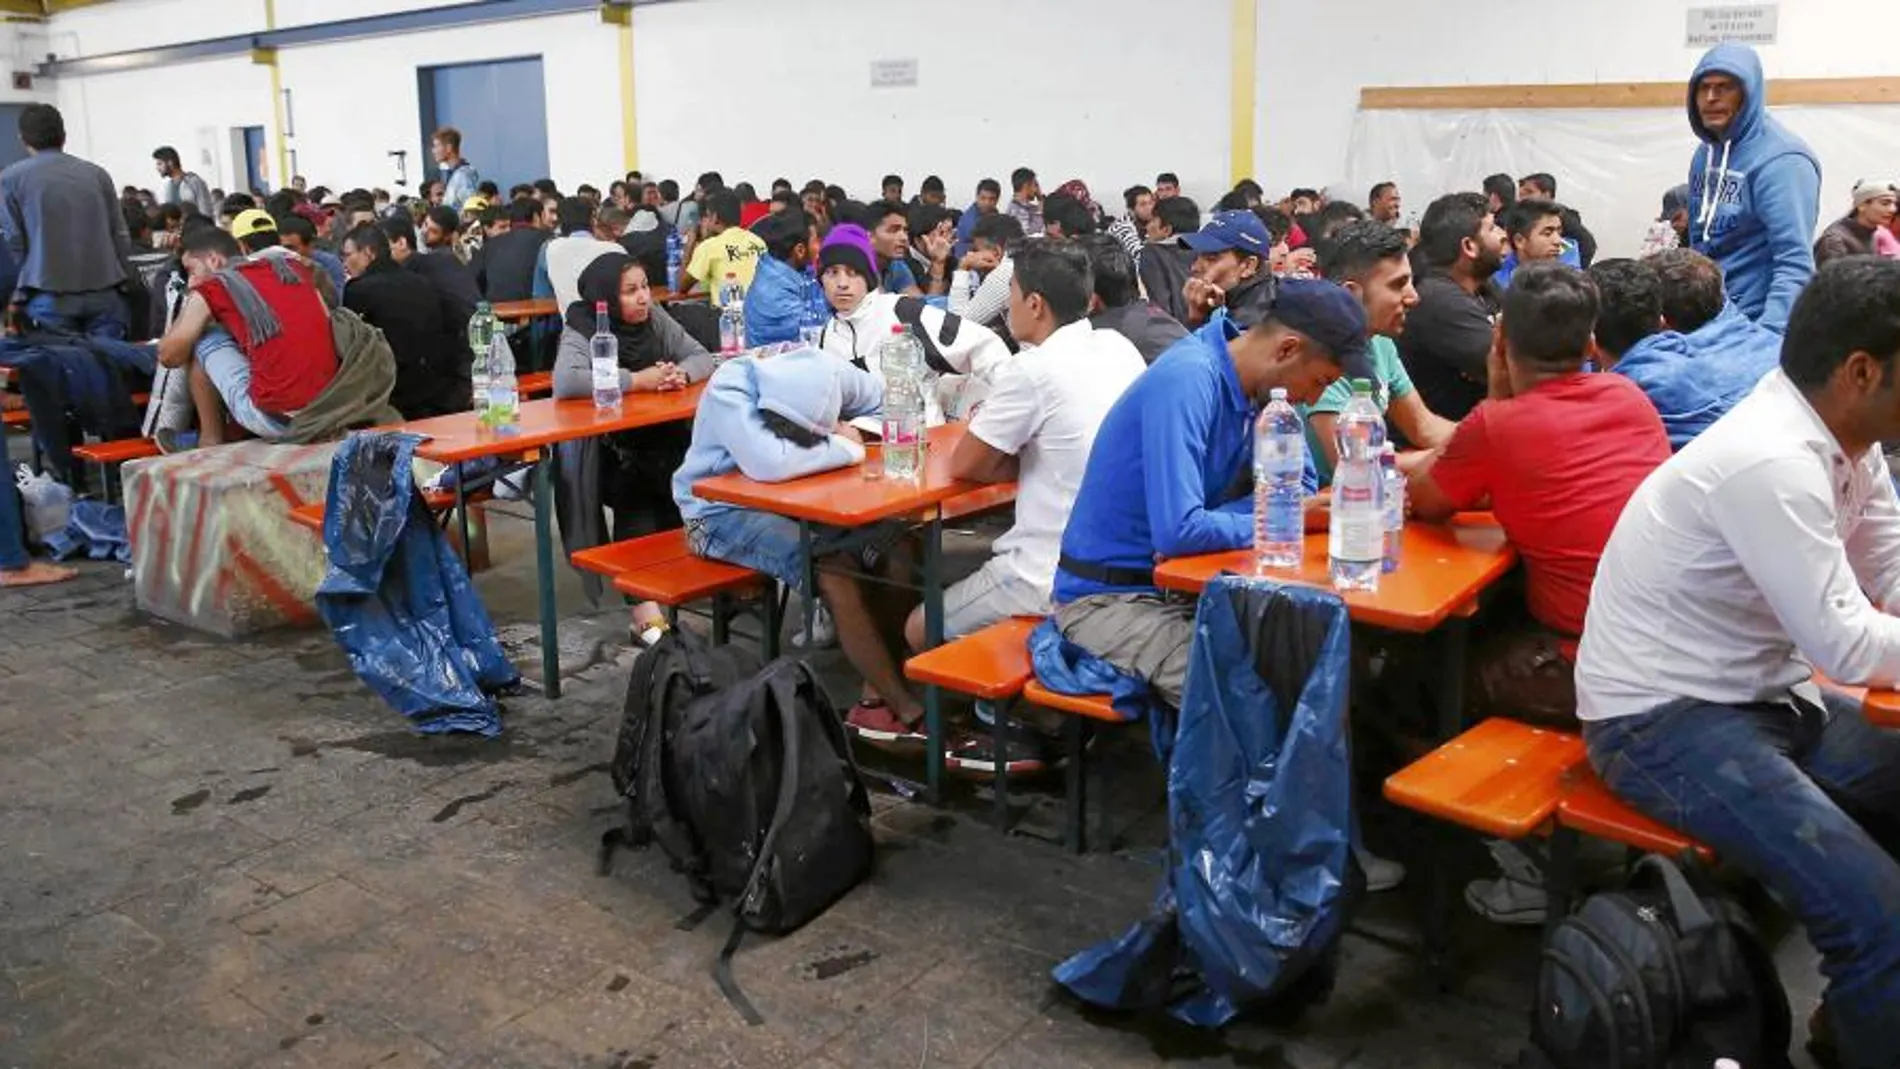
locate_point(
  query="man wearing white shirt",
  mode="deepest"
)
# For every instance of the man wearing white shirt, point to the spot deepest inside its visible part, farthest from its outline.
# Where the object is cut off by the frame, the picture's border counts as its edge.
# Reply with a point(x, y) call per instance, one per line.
point(1036, 428)
point(1740, 567)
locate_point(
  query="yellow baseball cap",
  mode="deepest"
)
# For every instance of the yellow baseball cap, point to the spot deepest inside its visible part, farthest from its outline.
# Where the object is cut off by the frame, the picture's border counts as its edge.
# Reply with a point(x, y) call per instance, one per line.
point(252, 221)
point(475, 204)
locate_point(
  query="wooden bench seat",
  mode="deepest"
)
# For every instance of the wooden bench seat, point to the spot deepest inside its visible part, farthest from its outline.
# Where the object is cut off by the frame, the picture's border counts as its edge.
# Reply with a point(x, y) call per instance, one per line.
point(1589, 808)
point(116, 452)
point(991, 664)
point(633, 554)
point(1501, 777)
point(691, 579)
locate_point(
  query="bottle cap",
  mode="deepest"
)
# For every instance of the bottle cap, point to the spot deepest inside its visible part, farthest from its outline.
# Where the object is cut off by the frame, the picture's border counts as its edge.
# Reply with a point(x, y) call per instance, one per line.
point(482, 306)
point(1362, 386)
point(1388, 449)
point(1278, 393)
point(897, 328)
point(600, 307)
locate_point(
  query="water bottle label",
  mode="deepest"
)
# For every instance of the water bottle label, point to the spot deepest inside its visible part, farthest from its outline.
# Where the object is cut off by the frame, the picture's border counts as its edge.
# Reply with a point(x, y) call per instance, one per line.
point(1356, 537)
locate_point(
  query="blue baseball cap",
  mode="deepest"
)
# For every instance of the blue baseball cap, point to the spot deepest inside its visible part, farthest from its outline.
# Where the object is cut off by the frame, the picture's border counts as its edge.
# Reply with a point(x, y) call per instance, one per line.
point(1329, 314)
point(1241, 231)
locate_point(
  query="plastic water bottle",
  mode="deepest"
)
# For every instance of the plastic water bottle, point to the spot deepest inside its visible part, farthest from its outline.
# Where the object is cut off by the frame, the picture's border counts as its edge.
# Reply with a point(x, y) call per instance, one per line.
point(604, 349)
point(1394, 503)
point(1279, 459)
point(482, 328)
point(504, 393)
point(1355, 541)
point(674, 244)
point(901, 362)
point(731, 317)
point(811, 324)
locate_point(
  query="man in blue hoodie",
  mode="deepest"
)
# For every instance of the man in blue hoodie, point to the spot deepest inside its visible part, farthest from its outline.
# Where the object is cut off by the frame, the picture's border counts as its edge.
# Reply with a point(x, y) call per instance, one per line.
point(782, 418)
point(1754, 187)
point(1665, 324)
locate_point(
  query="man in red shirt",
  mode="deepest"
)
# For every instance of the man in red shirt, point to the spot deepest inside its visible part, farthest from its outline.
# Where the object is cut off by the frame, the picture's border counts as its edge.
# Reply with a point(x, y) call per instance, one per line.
point(253, 334)
point(1555, 452)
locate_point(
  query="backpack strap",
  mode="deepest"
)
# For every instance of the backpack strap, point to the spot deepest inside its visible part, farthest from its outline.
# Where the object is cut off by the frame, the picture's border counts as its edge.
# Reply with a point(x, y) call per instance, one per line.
point(784, 695)
point(1691, 915)
point(910, 312)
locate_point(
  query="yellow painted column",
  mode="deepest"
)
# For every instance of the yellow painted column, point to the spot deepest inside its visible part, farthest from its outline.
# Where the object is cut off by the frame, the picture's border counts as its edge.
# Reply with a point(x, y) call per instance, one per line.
point(621, 17)
point(268, 57)
point(1243, 41)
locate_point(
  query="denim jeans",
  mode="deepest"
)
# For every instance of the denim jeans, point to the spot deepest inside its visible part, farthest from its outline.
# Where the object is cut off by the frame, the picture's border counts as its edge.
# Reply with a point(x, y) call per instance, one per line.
point(1804, 801)
point(13, 555)
point(96, 313)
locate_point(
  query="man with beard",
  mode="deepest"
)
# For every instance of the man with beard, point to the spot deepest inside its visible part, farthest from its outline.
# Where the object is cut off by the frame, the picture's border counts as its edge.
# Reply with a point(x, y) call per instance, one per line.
point(1447, 337)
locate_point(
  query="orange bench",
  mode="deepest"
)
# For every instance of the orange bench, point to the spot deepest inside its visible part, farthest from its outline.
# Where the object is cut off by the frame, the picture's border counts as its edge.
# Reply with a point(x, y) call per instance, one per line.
point(116, 452)
point(993, 667)
point(1511, 781)
point(662, 568)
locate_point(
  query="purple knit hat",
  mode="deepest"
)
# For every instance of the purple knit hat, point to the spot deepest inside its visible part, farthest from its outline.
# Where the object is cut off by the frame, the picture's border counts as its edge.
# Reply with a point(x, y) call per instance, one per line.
point(850, 245)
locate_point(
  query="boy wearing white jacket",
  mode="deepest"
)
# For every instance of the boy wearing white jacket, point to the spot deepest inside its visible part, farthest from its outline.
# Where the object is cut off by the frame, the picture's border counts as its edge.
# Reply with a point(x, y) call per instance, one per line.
point(964, 355)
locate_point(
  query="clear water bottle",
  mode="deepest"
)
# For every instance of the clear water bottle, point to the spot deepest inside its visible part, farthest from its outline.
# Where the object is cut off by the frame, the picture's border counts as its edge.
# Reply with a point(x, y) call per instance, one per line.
point(1393, 483)
point(901, 362)
point(811, 324)
point(731, 317)
point(482, 328)
point(503, 409)
point(1279, 460)
point(674, 246)
point(1356, 536)
point(604, 351)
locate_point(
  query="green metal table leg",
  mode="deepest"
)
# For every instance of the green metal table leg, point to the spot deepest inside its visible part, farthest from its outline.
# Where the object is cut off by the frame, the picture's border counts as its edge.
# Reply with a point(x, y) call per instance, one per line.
point(933, 637)
point(544, 573)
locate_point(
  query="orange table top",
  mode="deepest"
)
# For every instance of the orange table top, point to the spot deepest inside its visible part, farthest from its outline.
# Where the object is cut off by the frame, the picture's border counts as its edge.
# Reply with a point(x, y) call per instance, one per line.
point(845, 498)
point(461, 436)
point(1444, 567)
point(513, 310)
point(1880, 707)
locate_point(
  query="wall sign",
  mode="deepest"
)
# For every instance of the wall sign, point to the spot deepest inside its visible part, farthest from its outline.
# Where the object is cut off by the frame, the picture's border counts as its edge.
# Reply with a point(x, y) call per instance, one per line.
point(893, 73)
point(1745, 24)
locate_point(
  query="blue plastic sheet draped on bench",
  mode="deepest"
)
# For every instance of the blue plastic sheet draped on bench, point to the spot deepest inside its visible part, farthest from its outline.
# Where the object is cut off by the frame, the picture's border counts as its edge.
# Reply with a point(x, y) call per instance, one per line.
point(398, 598)
point(1260, 875)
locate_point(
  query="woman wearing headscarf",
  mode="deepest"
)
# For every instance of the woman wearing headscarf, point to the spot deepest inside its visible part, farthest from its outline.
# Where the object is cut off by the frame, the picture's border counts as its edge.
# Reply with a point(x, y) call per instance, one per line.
point(629, 472)
point(1119, 229)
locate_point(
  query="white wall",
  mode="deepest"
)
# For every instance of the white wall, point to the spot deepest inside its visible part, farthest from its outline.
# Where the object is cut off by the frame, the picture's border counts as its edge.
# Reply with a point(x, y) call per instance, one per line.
point(1072, 90)
point(355, 101)
point(1106, 91)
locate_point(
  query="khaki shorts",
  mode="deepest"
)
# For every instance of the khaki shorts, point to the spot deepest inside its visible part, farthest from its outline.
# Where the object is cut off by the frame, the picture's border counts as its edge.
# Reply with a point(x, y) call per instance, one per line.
point(1144, 635)
point(995, 592)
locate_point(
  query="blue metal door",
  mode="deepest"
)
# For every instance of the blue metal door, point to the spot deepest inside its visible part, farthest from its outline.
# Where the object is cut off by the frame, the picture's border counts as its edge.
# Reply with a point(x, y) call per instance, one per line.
point(254, 159)
point(501, 109)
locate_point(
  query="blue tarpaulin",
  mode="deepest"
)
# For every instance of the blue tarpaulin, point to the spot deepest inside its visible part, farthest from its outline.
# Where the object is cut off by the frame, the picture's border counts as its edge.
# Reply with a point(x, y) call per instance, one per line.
point(398, 598)
point(1260, 875)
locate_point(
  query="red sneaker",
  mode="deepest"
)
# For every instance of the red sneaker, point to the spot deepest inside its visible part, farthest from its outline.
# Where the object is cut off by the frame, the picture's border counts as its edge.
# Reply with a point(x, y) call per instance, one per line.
point(875, 723)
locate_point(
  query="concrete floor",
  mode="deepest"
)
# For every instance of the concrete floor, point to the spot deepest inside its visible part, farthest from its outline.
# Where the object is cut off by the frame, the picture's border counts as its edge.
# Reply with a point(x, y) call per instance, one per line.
point(232, 855)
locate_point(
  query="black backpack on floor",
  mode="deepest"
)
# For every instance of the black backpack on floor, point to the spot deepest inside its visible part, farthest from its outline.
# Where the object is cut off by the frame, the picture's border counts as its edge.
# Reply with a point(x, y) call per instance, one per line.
point(744, 777)
point(1667, 973)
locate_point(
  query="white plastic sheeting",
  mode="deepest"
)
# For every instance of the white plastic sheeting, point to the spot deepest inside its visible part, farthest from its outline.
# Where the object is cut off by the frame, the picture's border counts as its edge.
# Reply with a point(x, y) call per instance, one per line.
point(1613, 165)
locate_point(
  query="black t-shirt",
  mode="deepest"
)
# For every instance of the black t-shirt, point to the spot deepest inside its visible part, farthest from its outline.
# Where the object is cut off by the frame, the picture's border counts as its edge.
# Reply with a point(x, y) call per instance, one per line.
point(1446, 342)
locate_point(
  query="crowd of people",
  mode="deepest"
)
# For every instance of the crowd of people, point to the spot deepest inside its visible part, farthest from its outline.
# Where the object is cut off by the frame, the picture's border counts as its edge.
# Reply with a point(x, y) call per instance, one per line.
point(1684, 448)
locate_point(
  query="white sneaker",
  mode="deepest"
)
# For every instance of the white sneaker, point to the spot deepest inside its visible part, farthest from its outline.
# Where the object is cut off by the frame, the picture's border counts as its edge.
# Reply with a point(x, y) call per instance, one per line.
point(824, 631)
point(1382, 874)
point(1516, 897)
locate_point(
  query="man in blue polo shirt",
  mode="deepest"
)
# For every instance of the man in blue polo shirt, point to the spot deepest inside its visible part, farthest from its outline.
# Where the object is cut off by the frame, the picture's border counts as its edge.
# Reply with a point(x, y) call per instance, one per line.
point(1169, 473)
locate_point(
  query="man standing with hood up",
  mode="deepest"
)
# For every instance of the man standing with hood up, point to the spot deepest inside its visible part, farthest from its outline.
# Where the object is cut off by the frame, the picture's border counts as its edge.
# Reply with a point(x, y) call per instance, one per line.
point(1755, 188)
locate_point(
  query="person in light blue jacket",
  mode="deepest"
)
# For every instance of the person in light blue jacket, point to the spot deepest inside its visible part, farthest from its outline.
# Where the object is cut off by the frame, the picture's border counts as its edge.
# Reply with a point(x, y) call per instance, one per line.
point(779, 418)
point(781, 290)
point(1754, 187)
point(1665, 324)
